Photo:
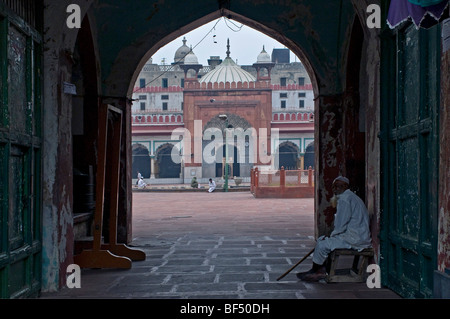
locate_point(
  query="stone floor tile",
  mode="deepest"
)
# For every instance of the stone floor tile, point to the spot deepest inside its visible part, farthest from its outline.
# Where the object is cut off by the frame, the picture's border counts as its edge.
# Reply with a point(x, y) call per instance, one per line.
point(216, 246)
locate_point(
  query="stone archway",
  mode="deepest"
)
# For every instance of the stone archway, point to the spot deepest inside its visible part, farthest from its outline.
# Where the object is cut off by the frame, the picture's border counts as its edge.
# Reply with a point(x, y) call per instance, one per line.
point(165, 167)
point(309, 156)
point(141, 161)
point(239, 148)
point(288, 156)
point(328, 58)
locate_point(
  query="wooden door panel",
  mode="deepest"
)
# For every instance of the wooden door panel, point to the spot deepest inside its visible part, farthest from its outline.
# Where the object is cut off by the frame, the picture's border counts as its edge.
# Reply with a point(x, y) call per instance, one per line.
point(16, 200)
point(20, 154)
point(408, 193)
point(17, 78)
point(409, 152)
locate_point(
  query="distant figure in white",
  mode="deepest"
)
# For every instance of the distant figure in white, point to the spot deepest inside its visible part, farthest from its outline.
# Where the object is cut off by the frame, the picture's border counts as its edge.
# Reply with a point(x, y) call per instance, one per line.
point(141, 183)
point(139, 176)
point(212, 185)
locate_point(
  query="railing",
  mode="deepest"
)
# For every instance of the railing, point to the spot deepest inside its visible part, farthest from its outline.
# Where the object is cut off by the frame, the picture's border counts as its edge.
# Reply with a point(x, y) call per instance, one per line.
point(282, 183)
point(278, 87)
point(290, 115)
point(157, 118)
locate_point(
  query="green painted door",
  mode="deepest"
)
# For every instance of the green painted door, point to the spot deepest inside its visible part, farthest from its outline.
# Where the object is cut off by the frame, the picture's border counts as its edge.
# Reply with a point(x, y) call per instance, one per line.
point(20, 151)
point(409, 141)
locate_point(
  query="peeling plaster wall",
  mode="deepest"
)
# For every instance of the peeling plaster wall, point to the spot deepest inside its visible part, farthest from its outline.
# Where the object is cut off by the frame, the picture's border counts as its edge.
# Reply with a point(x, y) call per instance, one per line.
point(348, 120)
point(369, 89)
point(57, 149)
point(330, 158)
point(371, 78)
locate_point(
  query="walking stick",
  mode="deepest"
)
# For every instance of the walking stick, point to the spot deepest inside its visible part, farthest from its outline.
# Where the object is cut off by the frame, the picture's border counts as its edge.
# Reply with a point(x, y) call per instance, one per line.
point(301, 260)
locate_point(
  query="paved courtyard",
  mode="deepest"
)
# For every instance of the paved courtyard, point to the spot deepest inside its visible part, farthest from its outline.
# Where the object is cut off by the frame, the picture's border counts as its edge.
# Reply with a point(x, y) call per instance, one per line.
point(218, 245)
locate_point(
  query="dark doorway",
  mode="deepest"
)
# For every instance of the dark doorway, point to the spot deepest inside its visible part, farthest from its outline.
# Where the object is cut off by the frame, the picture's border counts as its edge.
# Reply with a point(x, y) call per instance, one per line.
point(167, 167)
point(233, 169)
point(309, 156)
point(141, 161)
point(288, 156)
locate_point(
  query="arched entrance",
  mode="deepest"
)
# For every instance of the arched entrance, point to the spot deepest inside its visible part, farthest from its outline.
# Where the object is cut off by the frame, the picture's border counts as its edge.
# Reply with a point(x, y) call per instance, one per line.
point(288, 156)
point(233, 167)
point(141, 161)
point(306, 59)
point(238, 148)
point(309, 156)
point(165, 166)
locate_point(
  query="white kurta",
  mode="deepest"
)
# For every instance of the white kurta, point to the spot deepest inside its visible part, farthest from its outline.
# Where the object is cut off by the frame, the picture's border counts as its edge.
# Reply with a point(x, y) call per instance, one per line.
point(141, 183)
point(212, 186)
point(351, 228)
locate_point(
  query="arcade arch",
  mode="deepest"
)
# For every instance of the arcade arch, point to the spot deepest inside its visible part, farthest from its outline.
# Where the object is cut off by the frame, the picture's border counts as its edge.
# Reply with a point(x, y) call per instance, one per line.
point(309, 156)
point(165, 167)
point(288, 155)
point(215, 141)
point(141, 161)
point(335, 101)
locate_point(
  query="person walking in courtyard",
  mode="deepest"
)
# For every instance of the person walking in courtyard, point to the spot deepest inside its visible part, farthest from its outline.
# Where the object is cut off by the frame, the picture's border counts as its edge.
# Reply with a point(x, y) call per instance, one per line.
point(212, 185)
point(351, 229)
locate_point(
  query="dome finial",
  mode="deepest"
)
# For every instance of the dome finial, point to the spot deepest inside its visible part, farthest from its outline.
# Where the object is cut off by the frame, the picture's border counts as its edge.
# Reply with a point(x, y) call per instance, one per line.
point(228, 48)
point(184, 40)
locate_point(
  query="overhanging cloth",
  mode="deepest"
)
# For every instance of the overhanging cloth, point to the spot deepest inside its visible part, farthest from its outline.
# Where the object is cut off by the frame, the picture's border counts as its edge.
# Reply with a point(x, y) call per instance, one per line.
point(421, 14)
point(425, 3)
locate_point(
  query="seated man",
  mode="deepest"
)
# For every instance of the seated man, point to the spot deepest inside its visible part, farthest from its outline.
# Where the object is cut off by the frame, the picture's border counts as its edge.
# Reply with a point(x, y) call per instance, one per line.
point(194, 182)
point(212, 185)
point(351, 229)
point(141, 183)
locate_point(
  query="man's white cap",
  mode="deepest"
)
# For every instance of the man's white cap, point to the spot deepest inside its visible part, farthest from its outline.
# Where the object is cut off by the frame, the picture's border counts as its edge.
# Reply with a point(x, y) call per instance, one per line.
point(342, 179)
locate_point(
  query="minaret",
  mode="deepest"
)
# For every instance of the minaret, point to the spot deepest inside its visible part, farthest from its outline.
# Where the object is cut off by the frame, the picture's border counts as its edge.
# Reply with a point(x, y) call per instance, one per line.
point(191, 63)
point(263, 62)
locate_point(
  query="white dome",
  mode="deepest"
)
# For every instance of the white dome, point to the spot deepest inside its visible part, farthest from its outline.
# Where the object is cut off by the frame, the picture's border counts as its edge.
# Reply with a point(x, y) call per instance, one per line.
point(181, 52)
point(263, 57)
point(191, 58)
point(227, 71)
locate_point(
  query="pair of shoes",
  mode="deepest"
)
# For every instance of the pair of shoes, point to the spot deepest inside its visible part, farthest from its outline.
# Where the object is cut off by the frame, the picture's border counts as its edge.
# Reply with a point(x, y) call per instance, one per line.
point(315, 276)
point(302, 275)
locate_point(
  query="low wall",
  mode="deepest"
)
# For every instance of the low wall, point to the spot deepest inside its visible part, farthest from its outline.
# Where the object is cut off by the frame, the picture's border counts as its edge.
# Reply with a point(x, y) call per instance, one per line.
point(282, 183)
point(285, 192)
